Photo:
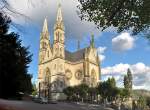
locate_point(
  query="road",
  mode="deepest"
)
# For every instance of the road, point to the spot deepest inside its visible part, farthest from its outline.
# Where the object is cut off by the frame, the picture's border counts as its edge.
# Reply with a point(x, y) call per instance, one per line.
point(27, 105)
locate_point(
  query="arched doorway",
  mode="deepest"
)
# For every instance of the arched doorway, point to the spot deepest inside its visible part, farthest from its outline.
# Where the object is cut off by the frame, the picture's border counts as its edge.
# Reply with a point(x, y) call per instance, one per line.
point(93, 78)
point(47, 83)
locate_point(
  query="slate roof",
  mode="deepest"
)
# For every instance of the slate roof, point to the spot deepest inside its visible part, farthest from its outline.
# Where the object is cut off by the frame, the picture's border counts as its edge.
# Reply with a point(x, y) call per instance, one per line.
point(75, 56)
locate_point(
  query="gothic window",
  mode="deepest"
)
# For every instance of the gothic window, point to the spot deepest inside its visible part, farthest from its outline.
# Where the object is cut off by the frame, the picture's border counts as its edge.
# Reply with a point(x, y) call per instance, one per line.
point(61, 54)
point(56, 51)
point(47, 75)
point(48, 53)
point(61, 66)
point(61, 37)
point(79, 75)
point(68, 74)
point(54, 85)
point(56, 35)
point(93, 78)
point(55, 67)
point(42, 44)
point(61, 84)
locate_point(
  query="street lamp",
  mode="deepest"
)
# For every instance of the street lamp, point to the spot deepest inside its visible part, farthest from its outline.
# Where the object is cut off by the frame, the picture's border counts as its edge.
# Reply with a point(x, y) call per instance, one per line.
point(39, 89)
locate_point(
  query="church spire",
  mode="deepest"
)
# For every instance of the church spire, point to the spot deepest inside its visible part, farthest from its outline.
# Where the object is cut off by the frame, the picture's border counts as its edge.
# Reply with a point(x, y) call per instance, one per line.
point(45, 33)
point(45, 26)
point(59, 19)
point(59, 14)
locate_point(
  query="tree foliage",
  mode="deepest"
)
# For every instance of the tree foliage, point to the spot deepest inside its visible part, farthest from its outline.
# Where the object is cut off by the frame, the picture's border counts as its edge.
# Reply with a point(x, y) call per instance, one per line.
point(108, 89)
point(141, 103)
point(123, 14)
point(14, 60)
point(128, 82)
point(69, 92)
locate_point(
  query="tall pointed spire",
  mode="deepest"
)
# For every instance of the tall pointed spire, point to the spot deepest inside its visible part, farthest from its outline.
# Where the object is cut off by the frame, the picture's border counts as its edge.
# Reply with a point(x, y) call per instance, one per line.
point(45, 26)
point(59, 19)
point(59, 13)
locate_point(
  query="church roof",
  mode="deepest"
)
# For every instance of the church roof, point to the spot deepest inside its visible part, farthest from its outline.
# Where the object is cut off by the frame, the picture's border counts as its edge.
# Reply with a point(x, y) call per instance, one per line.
point(75, 56)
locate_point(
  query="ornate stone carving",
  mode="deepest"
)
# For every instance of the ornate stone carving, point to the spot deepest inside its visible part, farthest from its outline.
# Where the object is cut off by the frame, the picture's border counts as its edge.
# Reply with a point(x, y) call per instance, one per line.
point(68, 74)
point(79, 75)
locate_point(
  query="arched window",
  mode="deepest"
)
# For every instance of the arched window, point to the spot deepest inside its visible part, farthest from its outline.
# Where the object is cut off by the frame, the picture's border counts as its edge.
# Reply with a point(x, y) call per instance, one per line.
point(55, 67)
point(68, 74)
point(47, 75)
point(93, 78)
point(56, 36)
point(79, 75)
point(48, 53)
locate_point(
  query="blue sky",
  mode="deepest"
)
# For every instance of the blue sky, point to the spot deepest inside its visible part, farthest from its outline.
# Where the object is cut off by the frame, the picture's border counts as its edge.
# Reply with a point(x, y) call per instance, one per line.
point(118, 52)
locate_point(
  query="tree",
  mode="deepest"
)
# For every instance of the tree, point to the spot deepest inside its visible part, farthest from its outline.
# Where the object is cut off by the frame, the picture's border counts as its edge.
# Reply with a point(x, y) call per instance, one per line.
point(108, 89)
point(83, 90)
point(34, 90)
point(128, 82)
point(141, 103)
point(14, 60)
point(124, 93)
point(123, 14)
point(69, 91)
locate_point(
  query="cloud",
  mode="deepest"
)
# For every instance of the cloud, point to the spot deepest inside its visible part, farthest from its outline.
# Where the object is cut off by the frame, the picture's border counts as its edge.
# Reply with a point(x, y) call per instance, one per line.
point(37, 10)
point(140, 71)
point(123, 42)
point(101, 51)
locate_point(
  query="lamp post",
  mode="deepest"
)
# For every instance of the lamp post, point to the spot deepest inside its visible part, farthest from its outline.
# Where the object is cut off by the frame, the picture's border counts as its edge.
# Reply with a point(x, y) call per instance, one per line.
point(39, 89)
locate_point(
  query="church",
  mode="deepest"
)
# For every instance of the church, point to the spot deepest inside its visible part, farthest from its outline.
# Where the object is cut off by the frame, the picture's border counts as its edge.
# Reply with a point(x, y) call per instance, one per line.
point(58, 68)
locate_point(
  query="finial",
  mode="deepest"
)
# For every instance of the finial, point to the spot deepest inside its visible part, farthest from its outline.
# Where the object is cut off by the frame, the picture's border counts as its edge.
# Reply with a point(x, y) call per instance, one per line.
point(78, 44)
point(92, 40)
point(59, 12)
point(59, 3)
point(45, 25)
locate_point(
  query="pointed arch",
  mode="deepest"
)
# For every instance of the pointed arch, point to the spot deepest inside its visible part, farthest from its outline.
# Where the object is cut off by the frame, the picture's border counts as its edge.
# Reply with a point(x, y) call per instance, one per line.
point(93, 78)
point(47, 75)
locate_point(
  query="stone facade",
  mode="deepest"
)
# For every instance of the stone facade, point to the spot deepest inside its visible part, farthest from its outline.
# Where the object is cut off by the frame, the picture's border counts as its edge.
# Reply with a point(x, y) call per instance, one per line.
point(59, 68)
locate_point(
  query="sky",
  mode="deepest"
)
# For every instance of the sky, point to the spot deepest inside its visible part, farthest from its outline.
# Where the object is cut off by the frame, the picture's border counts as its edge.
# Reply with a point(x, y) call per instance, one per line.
point(117, 51)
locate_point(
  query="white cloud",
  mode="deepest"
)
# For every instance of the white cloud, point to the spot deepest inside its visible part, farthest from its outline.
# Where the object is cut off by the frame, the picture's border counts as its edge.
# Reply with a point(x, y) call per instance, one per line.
point(37, 10)
point(140, 71)
point(123, 42)
point(101, 51)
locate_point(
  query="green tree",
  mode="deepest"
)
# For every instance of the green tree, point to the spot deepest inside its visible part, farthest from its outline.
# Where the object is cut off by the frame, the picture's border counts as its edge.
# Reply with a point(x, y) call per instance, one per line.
point(34, 90)
point(123, 14)
point(14, 60)
point(124, 93)
point(141, 103)
point(108, 89)
point(83, 90)
point(69, 92)
point(128, 82)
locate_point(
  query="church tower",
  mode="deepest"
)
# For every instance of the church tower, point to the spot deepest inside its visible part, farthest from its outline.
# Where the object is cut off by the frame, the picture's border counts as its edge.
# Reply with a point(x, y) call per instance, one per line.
point(59, 37)
point(44, 43)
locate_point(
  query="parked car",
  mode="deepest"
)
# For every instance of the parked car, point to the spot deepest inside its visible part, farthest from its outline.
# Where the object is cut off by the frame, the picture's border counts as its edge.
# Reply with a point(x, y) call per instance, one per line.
point(41, 100)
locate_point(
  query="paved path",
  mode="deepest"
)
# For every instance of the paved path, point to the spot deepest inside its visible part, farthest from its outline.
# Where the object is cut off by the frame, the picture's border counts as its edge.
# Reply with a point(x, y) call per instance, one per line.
point(24, 105)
